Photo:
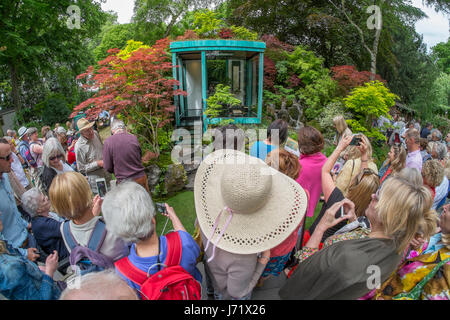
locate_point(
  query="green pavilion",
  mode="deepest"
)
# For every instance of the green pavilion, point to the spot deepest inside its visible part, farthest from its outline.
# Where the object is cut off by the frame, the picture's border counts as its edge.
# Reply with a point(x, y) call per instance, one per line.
point(200, 65)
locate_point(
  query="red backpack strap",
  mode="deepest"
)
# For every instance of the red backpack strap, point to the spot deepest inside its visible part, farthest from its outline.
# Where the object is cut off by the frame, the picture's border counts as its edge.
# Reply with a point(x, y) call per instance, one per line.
point(173, 257)
point(130, 271)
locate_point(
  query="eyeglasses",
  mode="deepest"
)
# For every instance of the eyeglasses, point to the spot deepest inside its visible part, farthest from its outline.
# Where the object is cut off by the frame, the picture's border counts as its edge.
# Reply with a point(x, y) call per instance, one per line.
point(7, 158)
point(59, 156)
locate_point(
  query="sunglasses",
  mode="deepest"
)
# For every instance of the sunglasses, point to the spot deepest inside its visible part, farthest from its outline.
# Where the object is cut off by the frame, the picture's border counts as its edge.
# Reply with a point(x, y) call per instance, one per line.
point(7, 158)
point(59, 156)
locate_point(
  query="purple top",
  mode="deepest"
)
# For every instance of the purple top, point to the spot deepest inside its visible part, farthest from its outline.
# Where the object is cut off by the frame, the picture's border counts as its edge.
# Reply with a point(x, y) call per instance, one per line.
point(414, 160)
point(122, 156)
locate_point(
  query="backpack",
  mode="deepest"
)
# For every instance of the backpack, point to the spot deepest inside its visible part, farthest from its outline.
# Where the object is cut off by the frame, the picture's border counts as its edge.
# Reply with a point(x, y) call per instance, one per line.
point(88, 258)
point(27, 154)
point(171, 283)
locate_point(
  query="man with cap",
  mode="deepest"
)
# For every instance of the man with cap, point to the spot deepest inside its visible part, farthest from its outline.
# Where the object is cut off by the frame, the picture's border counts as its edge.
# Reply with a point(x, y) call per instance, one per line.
point(89, 154)
point(16, 229)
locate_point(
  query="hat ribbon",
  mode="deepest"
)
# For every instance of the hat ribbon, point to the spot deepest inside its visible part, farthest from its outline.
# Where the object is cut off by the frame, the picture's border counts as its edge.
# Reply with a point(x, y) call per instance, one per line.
point(221, 234)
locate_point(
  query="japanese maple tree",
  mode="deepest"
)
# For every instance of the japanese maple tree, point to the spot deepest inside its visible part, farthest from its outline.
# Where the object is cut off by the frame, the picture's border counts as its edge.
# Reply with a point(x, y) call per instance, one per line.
point(348, 77)
point(136, 84)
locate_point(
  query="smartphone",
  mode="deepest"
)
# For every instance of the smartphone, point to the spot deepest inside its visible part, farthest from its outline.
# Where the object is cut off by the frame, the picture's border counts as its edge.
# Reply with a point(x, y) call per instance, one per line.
point(102, 189)
point(161, 207)
point(340, 213)
point(355, 141)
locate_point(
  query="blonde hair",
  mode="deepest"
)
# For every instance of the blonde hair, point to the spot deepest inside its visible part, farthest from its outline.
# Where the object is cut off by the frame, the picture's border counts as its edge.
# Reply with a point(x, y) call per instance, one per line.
point(399, 161)
point(405, 209)
point(340, 124)
point(361, 189)
point(353, 151)
point(285, 162)
point(433, 172)
point(70, 195)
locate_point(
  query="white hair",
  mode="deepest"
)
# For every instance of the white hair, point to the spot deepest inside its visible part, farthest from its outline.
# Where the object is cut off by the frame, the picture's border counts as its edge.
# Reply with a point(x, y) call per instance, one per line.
point(128, 210)
point(31, 200)
point(51, 148)
point(441, 150)
point(104, 285)
point(117, 124)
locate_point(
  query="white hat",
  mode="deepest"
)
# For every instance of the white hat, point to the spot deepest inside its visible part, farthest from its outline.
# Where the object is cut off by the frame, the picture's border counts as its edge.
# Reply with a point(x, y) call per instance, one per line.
point(60, 130)
point(22, 132)
point(263, 206)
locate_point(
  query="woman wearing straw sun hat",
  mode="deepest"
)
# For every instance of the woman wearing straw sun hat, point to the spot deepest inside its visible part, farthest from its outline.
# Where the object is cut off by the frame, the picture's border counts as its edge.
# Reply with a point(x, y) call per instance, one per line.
point(244, 208)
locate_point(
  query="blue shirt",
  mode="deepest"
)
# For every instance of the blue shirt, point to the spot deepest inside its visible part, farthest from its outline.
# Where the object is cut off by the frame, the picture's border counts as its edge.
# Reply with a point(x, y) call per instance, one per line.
point(190, 252)
point(260, 150)
point(21, 279)
point(14, 226)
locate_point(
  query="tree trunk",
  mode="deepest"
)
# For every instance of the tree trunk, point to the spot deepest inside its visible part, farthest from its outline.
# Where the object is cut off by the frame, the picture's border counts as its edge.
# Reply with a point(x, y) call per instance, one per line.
point(15, 85)
point(374, 52)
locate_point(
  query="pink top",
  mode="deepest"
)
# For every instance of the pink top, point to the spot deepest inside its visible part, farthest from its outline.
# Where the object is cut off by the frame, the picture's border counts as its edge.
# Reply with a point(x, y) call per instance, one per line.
point(310, 178)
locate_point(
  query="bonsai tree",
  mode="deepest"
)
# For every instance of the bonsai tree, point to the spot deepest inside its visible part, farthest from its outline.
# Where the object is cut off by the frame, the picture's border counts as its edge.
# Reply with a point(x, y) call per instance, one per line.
point(221, 98)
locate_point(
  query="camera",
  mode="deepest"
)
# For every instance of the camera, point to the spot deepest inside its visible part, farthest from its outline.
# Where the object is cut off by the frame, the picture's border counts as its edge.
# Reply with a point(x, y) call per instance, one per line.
point(356, 141)
point(101, 187)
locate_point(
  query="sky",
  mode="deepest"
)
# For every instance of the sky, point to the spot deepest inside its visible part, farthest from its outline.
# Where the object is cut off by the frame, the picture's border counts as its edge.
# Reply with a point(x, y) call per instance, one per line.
point(434, 29)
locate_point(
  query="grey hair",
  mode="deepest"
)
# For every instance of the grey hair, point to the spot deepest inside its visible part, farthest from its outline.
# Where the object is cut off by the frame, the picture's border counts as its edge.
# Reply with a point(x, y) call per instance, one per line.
point(51, 147)
point(441, 150)
point(31, 130)
point(117, 124)
point(128, 210)
point(104, 285)
point(31, 200)
point(60, 130)
point(413, 175)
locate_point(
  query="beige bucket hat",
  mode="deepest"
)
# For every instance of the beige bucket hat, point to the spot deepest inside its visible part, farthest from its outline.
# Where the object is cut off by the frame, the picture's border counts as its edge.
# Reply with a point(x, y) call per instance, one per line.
point(83, 124)
point(262, 206)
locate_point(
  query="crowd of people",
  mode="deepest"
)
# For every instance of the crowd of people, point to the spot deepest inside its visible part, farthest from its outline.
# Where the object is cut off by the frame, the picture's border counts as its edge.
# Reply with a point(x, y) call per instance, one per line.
point(74, 204)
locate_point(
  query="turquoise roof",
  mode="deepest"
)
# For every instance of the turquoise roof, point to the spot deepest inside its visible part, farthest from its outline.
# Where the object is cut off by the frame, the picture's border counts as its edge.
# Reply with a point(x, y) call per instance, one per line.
point(222, 44)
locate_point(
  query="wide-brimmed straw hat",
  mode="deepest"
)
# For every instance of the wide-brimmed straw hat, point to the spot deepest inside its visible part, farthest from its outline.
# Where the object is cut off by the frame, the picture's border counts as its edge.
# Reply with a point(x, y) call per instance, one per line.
point(243, 205)
point(83, 124)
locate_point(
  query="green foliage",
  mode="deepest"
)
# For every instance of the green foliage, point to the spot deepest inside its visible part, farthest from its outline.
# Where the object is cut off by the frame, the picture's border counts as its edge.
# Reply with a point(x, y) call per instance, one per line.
point(54, 109)
point(220, 99)
point(368, 103)
point(243, 33)
point(281, 94)
point(207, 24)
point(441, 53)
point(306, 65)
point(113, 36)
point(331, 110)
point(316, 88)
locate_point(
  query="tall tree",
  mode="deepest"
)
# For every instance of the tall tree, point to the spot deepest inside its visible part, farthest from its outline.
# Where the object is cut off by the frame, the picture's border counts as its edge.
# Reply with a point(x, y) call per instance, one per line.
point(40, 36)
point(156, 19)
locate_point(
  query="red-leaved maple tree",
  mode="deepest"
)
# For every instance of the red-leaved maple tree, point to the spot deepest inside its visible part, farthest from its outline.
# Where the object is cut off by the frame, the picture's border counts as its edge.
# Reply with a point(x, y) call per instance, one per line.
point(138, 86)
point(348, 77)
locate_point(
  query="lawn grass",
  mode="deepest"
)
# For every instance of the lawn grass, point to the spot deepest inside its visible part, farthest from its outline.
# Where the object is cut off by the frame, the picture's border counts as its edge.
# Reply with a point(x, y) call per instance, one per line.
point(184, 206)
